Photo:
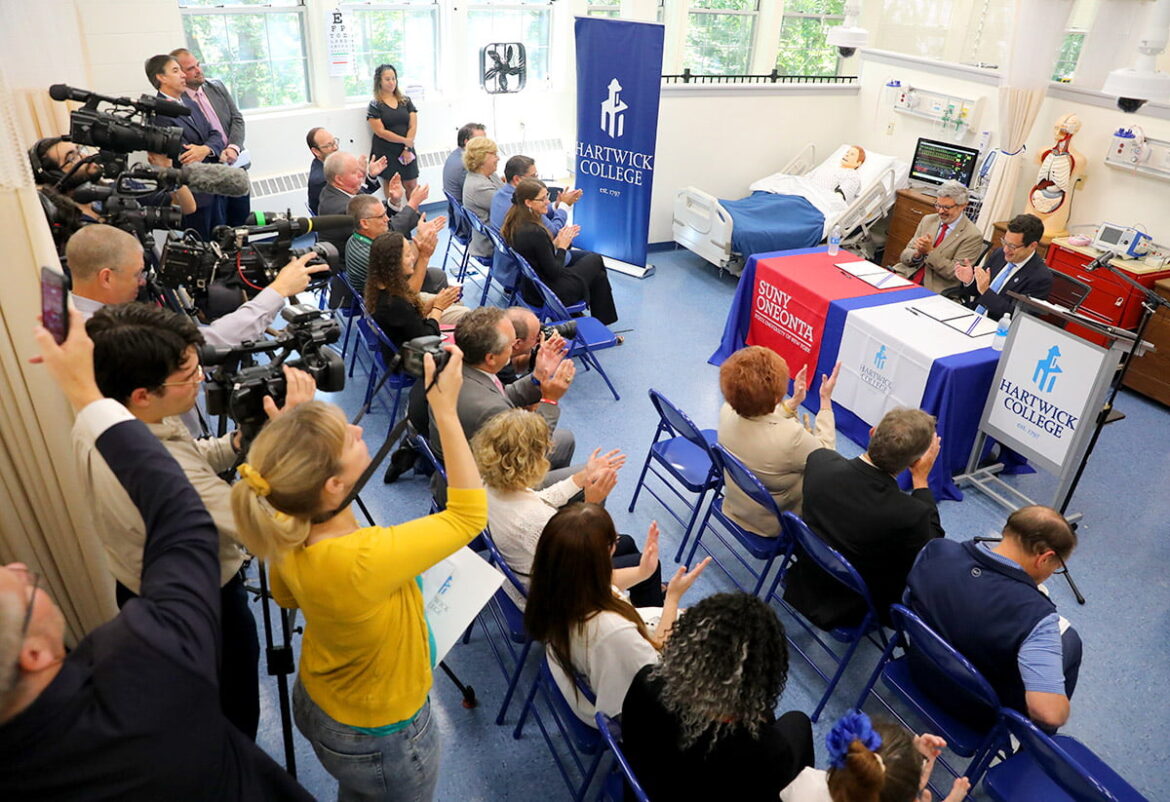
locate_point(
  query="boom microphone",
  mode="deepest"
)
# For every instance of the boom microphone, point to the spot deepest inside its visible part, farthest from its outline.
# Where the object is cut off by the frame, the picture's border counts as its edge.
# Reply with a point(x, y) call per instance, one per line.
point(218, 179)
point(324, 224)
point(1101, 261)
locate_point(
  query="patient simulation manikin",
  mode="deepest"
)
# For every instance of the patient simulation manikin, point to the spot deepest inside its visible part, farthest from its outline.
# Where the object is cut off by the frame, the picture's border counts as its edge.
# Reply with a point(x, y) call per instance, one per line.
point(842, 179)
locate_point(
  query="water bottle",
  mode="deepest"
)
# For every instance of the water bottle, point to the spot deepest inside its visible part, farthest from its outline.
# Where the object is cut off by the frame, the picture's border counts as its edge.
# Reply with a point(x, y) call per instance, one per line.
point(1001, 332)
point(834, 240)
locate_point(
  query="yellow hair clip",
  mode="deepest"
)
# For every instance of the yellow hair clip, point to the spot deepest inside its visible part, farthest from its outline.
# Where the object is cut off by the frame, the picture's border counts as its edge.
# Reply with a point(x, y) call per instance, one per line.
point(255, 481)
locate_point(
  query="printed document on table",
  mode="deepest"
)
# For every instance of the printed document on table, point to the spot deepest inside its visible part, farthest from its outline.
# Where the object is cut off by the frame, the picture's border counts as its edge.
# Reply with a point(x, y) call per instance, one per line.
point(973, 325)
point(861, 269)
point(940, 308)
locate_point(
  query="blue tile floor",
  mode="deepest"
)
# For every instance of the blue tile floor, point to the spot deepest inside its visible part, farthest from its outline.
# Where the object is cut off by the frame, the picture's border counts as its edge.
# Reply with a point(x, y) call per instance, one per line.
point(672, 322)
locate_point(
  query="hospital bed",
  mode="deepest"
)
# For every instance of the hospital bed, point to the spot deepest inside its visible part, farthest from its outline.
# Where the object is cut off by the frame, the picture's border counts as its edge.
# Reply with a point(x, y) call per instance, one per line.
point(708, 227)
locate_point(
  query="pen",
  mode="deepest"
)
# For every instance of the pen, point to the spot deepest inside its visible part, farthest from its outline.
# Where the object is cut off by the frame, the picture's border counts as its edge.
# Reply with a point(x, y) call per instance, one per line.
point(971, 328)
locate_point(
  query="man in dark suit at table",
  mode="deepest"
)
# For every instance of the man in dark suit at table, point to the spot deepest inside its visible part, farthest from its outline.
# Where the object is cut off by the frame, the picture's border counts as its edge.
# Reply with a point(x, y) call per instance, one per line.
point(201, 142)
point(856, 507)
point(941, 240)
point(1013, 268)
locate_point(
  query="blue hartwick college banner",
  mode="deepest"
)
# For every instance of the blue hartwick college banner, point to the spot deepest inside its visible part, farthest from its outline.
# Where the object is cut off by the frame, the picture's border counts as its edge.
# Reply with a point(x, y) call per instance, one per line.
point(619, 71)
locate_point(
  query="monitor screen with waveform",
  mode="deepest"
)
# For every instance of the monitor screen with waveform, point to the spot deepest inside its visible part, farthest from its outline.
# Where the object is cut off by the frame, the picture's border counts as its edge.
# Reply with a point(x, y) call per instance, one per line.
point(935, 162)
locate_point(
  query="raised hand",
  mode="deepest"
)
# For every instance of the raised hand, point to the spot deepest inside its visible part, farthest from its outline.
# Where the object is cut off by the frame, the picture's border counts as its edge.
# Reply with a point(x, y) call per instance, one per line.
point(555, 387)
point(448, 296)
point(829, 383)
point(982, 279)
point(649, 560)
point(420, 195)
point(295, 276)
point(375, 168)
point(444, 395)
point(599, 484)
point(965, 271)
point(682, 580)
point(552, 350)
point(394, 190)
point(70, 363)
point(426, 239)
point(300, 387)
point(799, 390)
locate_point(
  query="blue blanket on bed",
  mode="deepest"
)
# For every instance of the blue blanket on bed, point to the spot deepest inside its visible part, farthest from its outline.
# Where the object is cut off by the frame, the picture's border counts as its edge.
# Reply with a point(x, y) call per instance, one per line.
point(766, 222)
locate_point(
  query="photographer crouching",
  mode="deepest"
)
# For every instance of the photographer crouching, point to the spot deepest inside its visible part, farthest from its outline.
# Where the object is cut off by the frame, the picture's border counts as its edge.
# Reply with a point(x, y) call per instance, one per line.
point(131, 713)
point(146, 358)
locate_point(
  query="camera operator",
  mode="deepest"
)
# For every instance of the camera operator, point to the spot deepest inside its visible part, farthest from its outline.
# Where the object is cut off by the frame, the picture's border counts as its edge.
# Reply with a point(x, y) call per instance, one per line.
point(145, 357)
point(107, 267)
point(201, 141)
point(60, 168)
point(131, 712)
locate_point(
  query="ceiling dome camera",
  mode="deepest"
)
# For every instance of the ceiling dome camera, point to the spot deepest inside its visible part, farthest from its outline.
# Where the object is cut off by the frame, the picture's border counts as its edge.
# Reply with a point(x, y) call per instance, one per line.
point(1130, 104)
point(846, 52)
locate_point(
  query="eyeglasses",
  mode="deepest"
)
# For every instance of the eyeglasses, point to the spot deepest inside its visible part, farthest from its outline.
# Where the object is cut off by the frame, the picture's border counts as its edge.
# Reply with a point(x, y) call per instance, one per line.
point(943, 208)
point(33, 579)
point(332, 144)
point(1011, 246)
point(197, 377)
point(541, 198)
point(382, 216)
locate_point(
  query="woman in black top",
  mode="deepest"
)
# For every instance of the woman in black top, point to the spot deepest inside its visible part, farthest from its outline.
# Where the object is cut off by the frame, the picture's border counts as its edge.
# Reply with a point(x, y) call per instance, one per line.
point(581, 277)
point(390, 297)
point(393, 120)
point(709, 703)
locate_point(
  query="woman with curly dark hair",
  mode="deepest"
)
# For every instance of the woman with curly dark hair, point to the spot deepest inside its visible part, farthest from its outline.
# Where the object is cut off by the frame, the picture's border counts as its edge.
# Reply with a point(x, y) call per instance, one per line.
point(708, 706)
point(392, 299)
point(588, 628)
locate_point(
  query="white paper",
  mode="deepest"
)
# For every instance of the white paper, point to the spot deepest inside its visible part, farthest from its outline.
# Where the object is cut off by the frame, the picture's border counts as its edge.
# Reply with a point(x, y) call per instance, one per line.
point(454, 591)
point(973, 325)
point(862, 268)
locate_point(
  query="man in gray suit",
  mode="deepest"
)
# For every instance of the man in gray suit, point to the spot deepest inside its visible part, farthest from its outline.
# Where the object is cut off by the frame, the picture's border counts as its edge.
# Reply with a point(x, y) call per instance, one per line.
point(216, 102)
point(485, 336)
point(941, 240)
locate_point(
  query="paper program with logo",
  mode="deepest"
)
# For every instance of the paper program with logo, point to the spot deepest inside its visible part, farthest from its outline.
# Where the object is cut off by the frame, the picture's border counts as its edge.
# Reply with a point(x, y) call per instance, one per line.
point(1043, 400)
point(454, 591)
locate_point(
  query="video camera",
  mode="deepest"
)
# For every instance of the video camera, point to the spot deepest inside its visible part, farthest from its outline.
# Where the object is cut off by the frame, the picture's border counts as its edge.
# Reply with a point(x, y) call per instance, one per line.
point(238, 385)
point(194, 265)
point(118, 130)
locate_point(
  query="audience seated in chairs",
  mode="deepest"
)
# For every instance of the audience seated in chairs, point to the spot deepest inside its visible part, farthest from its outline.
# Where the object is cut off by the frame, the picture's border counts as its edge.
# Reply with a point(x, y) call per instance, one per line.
point(701, 720)
point(857, 508)
point(1029, 654)
point(365, 662)
point(765, 432)
point(588, 628)
point(485, 336)
point(873, 760)
point(321, 144)
point(132, 712)
point(574, 277)
point(512, 453)
point(391, 291)
point(453, 170)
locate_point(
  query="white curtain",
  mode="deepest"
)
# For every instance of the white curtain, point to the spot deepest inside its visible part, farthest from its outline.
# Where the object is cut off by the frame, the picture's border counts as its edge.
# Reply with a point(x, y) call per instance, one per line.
point(46, 520)
point(1037, 31)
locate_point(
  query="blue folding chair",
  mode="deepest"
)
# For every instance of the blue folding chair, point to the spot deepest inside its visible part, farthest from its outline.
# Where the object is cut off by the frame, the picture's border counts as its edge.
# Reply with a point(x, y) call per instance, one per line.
point(591, 334)
point(371, 336)
point(685, 455)
point(1053, 769)
point(458, 234)
point(621, 777)
point(351, 310)
point(951, 676)
point(758, 546)
point(423, 446)
point(540, 309)
point(505, 259)
point(484, 263)
point(833, 563)
point(581, 739)
point(509, 620)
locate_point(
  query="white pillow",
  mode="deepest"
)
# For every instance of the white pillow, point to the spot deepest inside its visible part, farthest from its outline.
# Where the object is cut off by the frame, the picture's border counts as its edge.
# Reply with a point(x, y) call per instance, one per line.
point(875, 164)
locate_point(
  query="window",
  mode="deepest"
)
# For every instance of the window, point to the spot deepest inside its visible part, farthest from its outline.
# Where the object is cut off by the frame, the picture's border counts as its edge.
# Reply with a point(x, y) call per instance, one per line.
point(719, 36)
point(803, 49)
point(525, 21)
point(256, 48)
point(405, 34)
point(605, 8)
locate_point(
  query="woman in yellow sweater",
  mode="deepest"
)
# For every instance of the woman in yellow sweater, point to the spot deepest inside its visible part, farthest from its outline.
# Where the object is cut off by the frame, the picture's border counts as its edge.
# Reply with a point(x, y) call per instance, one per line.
point(361, 696)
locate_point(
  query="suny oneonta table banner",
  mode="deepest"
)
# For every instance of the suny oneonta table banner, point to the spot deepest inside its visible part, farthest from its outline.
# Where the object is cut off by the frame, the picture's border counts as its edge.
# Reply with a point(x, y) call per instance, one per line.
point(619, 72)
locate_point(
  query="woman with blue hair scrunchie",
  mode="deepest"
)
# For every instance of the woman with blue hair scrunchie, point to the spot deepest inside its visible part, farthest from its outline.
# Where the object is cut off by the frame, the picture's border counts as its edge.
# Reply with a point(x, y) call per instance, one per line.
point(873, 762)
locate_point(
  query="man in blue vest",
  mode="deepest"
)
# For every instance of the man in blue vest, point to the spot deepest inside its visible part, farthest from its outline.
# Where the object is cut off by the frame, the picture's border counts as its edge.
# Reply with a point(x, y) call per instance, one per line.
point(987, 601)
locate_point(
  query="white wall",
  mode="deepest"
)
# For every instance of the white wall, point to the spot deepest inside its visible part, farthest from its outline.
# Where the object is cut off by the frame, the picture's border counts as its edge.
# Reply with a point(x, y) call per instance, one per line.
point(721, 140)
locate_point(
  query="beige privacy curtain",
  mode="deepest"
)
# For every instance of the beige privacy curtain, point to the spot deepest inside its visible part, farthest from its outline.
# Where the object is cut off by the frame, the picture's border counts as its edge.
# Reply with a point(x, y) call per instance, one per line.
point(1036, 34)
point(45, 518)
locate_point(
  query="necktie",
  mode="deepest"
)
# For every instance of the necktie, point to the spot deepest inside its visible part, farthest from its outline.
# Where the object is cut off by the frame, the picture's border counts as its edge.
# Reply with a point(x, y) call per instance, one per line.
point(942, 234)
point(997, 284)
point(499, 384)
point(204, 103)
